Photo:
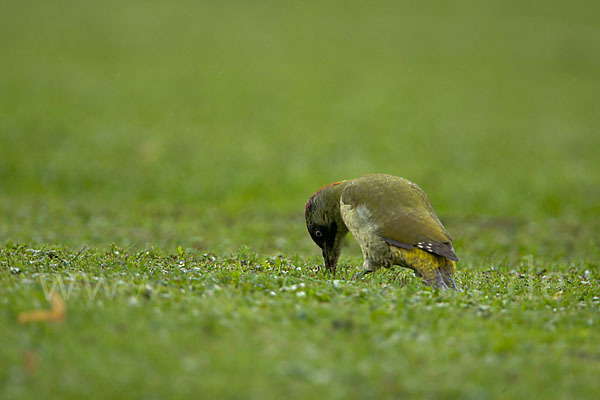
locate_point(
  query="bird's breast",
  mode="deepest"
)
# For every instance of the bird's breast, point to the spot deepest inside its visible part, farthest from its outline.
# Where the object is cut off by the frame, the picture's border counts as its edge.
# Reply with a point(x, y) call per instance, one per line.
point(361, 224)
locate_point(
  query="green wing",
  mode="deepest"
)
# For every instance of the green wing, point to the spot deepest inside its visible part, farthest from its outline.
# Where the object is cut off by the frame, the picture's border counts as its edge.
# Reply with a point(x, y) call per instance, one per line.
point(402, 211)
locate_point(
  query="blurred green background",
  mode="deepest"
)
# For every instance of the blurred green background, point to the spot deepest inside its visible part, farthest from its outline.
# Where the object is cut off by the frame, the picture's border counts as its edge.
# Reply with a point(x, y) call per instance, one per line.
point(209, 124)
point(190, 134)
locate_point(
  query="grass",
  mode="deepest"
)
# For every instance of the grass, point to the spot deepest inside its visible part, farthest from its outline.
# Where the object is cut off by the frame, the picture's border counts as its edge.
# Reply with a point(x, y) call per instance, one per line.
point(148, 324)
point(155, 159)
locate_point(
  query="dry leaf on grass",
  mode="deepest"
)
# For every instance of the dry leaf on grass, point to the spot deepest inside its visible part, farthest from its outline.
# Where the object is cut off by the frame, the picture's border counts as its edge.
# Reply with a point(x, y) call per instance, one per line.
point(57, 311)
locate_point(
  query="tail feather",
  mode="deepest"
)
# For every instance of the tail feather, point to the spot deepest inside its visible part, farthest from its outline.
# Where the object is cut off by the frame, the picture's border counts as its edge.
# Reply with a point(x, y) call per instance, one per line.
point(447, 272)
point(437, 271)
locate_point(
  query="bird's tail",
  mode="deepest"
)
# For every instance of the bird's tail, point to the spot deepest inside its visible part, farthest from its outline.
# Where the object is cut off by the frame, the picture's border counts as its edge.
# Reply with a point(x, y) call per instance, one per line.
point(437, 271)
point(447, 272)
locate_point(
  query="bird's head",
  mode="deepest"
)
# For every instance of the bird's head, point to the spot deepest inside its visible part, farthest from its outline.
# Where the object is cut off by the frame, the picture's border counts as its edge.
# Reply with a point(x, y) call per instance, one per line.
point(325, 224)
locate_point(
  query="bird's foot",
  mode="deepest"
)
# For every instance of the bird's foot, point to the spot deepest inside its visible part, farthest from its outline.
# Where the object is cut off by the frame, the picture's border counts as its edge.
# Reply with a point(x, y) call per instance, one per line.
point(361, 274)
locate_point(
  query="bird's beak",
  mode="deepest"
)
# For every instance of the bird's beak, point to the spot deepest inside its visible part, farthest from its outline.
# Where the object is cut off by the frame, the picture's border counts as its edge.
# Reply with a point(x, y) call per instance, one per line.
point(330, 256)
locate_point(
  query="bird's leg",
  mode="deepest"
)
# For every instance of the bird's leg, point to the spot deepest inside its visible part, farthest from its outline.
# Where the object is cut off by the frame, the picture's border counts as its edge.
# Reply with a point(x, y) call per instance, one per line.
point(361, 274)
point(367, 269)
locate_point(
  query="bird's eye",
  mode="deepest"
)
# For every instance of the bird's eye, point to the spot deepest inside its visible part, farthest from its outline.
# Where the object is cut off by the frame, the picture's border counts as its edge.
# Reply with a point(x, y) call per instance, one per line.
point(318, 234)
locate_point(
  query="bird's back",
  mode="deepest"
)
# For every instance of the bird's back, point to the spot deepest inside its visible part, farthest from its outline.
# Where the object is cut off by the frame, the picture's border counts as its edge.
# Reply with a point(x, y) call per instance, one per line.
point(399, 211)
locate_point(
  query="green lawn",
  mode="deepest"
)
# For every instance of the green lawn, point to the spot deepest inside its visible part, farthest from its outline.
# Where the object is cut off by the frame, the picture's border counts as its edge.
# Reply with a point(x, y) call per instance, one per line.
point(155, 159)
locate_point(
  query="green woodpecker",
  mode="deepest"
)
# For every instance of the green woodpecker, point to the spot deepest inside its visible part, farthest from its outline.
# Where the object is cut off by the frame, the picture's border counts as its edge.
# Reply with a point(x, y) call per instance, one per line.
point(392, 220)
